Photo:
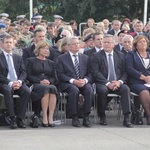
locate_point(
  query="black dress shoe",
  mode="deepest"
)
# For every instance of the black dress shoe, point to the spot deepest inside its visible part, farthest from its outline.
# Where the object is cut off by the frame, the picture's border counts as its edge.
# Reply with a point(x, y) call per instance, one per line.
point(51, 125)
point(103, 121)
point(148, 120)
point(20, 123)
point(127, 123)
point(86, 122)
point(44, 124)
point(76, 122)
point(13, 123)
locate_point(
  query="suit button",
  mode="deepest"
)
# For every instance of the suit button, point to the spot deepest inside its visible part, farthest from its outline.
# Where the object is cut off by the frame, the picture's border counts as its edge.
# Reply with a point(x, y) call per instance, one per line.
point(43, 74)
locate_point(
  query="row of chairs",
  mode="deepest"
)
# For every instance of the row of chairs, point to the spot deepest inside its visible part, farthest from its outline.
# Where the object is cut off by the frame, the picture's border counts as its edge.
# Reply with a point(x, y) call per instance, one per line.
point(115, 97)
point(61, 105)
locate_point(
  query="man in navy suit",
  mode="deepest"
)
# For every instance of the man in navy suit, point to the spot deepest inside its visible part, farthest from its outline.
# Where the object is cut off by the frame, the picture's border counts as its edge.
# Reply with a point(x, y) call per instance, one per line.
point(75, 81)
point(12, 81)
point(116, 24)
point(107, 67)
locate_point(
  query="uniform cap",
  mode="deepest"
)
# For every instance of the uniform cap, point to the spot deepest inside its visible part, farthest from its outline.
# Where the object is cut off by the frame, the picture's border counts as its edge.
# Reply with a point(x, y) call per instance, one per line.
point(88, 37)
point(123, 31)
point(4, 15)
point(37, 17)
point(58, 17)
point(21, 16)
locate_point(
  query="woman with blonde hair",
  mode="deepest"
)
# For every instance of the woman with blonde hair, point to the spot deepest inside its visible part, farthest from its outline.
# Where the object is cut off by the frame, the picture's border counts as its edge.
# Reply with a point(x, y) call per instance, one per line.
point(41, 75)
point(63, 46)
point(101, 27)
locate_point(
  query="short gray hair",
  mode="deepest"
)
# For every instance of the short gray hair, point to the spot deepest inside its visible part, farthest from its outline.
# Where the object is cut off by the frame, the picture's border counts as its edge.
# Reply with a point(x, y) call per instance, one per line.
point(70, 38)
point(111, 36)
point(127, 36)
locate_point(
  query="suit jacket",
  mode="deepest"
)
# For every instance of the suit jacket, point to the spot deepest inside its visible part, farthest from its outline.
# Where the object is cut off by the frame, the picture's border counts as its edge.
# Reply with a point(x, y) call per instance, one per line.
point(117, 47)
point(36, 73)
point(99, 67)
point(90, 52)
point(29, 52)
point(66, 70)
point(112, 32)
point(124, 52)
point(135, 68)
point(144, 33)
point(19, 68)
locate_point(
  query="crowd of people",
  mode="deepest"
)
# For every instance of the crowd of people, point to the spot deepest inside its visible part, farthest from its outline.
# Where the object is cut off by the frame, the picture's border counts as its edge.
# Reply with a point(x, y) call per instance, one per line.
point(40, 59)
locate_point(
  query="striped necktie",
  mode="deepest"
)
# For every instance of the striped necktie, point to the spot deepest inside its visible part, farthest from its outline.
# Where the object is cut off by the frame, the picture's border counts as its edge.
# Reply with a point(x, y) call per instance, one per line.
point(76, 65)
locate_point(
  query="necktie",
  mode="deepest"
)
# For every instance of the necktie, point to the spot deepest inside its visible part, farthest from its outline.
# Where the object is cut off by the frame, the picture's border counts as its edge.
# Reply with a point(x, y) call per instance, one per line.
point(11, 68)
point(111, 68)
point(76, 65)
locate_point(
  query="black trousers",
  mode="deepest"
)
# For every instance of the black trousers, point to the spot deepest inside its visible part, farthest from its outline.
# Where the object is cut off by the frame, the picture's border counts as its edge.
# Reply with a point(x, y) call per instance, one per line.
point(73, 97)
point(103, 91)
point(23, 92)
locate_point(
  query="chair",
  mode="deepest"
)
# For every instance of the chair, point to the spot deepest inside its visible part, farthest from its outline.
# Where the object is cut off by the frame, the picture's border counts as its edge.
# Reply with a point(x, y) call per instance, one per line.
point(29, 107)
point(116, 98)
point(63, 103)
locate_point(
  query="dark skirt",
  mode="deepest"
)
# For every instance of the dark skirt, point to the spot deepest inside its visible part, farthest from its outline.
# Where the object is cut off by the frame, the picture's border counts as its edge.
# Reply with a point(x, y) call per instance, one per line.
point(137, 88)
point(39, 90)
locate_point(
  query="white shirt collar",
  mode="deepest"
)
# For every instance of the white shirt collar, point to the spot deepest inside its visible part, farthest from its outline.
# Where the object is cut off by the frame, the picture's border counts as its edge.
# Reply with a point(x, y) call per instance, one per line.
point(71, 54)
point(5, 53)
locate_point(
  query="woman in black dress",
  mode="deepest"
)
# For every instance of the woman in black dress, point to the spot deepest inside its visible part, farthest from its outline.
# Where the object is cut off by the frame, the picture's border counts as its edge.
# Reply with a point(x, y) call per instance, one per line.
point(41, 75)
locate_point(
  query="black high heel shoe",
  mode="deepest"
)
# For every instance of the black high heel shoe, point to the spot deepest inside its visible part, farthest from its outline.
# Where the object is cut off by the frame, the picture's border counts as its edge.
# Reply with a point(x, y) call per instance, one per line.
point(44, 124)
point(51, 125)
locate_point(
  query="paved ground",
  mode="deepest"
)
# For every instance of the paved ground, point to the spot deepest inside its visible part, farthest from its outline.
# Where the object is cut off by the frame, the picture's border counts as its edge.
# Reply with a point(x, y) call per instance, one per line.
point(65, 137)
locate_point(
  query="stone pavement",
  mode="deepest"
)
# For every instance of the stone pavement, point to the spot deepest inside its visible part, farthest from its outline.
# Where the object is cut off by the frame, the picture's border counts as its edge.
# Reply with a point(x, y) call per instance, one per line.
point(65, 137)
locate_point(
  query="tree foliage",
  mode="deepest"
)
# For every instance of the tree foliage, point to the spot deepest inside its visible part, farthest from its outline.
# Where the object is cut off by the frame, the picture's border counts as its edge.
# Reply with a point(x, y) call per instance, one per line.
point(80, 10)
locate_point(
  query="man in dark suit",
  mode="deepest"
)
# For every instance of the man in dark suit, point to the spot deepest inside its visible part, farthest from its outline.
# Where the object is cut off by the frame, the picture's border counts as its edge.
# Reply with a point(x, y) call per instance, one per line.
point(138, 27)
point(127, 42)
point(39, 35)
point(74, 76)
point(12, 81)
point(107, 67)
point(121, 34)
point(98, 42)
point(116, 24)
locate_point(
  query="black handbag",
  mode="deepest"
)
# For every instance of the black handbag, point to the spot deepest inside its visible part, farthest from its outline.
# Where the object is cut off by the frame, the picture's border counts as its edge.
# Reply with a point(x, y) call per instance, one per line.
point(136, 117)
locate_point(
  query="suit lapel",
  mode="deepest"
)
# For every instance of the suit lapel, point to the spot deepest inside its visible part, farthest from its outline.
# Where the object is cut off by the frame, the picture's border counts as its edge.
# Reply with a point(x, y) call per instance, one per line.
point(104, 59)
point(80, 62)
point(70, 61)
point(4, 60)
point(15, 62)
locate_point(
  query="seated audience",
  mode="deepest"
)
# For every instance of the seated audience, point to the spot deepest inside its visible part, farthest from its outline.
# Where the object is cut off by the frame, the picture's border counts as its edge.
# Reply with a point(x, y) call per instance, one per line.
point(75, 78)
point(41, 76)
point(12, 81)
point(138, 69)
point(107, 67)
